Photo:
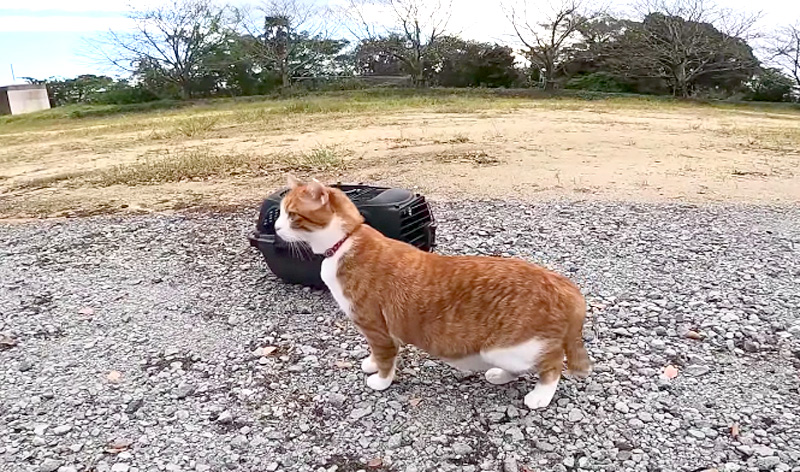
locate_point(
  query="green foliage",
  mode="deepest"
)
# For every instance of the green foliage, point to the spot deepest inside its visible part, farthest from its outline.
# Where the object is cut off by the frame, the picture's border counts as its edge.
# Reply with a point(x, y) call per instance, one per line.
point(770, 85)
point(459, 63)
point(599, 82)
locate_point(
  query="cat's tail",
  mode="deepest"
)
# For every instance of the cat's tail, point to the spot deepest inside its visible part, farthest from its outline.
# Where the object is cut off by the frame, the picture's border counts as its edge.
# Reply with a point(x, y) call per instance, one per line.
point(578, 362)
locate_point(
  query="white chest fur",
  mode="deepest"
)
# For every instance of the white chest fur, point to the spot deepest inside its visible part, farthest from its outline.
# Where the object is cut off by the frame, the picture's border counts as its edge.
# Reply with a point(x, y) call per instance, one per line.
point(330, 267)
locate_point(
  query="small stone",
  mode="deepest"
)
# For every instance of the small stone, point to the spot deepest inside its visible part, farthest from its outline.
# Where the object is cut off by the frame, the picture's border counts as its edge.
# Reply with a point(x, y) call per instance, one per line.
point(184, 390)
point(133, 406)
point(172, 467)
point(697, 370)
point(359, 413)
point(336, 399)
point(636, 423)
point(67, 468)
point(761, 450)
point(693, 335)
point(575, 415)
point(39, 429)
point(24, 366)
point(62, 430)
point(621, 407)
point(750, 346)
point(623, 445)
point(50, 465)
point(233, 320)
point(658, 344)
point(225, 417)
point(395, 441)
point(645, 416)
point(769, 462)
point(569, 462)
point(745, 449)
point(462, 449)
point(510, 465)
point(696, 433)
point(515, 433)
point(120, 467)
point(621, 332)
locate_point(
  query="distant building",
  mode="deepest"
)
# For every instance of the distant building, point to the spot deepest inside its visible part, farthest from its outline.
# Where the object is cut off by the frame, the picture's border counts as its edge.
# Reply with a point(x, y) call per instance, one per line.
point(18, 99)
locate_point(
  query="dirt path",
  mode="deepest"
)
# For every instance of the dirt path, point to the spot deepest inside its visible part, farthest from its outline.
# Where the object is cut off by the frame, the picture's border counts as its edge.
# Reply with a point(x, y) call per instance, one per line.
point(533, 150)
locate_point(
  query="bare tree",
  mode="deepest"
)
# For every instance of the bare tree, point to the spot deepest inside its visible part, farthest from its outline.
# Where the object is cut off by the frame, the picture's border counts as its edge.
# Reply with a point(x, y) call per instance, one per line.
point(405, 29)
point(785, 50)
point(287, 36)
point(172, 40)
point(545, 33)
point(684, 40)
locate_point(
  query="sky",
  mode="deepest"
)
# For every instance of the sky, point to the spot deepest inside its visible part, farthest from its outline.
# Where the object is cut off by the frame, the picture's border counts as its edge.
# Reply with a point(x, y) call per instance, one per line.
point(44, 38)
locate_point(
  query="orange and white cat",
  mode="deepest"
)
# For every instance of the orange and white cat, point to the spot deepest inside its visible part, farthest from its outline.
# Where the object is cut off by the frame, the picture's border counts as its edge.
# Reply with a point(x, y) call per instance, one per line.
point(503, 316)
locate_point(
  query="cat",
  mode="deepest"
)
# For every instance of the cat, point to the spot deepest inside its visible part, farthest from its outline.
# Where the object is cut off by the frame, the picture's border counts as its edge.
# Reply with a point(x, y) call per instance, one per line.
point(499, 315)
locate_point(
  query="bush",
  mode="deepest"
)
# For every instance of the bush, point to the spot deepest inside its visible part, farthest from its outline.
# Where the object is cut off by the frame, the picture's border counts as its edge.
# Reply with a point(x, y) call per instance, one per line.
point(770, 85)
point(598, 82)
point(123, 94)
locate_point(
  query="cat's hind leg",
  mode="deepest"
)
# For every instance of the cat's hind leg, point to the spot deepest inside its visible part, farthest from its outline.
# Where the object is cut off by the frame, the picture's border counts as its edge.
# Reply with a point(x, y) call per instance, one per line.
point(549, 367)
point(546, 357)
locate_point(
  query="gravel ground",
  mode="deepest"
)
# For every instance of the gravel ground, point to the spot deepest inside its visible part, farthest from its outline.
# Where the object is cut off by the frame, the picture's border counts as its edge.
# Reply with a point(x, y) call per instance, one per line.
point(133, 345)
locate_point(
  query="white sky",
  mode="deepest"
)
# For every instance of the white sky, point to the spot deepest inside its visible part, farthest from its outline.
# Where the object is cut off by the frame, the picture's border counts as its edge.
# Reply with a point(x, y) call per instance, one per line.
point(41, 38)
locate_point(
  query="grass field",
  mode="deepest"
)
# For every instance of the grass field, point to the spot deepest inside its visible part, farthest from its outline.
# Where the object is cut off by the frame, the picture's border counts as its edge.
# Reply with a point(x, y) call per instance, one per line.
point(222, 153)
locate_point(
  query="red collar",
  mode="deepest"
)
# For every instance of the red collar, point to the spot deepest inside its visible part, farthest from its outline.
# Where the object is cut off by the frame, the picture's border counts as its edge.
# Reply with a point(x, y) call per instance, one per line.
point(332, 250)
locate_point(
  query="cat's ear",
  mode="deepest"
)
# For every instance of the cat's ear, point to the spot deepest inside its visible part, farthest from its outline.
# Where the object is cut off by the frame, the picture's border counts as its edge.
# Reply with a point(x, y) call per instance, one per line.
point(317, 192)
point(292, 181)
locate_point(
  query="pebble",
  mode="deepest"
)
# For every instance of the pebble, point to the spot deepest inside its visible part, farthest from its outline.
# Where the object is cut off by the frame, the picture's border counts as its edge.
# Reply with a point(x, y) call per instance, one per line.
point(359, 413)
point(62, 430)
point(50, 465)
point(184, 390)
point(462, 449)
point(575, 415)
point(697, 370)
point(225, 417)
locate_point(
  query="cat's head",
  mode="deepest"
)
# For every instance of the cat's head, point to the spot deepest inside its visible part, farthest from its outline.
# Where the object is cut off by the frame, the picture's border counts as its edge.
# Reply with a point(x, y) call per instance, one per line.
point(316, 214)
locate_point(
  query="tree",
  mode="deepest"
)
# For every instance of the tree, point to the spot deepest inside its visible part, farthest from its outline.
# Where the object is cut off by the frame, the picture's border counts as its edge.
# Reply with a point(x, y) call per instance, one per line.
point(375, 57)
point(785, 51)
point(770, 85)
point(460, 63)
point(686, 41)
point(546, 34)
point(170, 42)
point(288, 37)
point(410, 34)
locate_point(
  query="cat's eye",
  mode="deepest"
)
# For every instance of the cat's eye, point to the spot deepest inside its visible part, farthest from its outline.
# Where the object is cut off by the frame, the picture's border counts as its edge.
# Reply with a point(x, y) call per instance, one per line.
point(291, 214)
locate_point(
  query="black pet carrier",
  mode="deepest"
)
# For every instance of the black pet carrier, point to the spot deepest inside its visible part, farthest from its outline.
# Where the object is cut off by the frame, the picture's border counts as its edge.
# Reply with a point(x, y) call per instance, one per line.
point(397, 213)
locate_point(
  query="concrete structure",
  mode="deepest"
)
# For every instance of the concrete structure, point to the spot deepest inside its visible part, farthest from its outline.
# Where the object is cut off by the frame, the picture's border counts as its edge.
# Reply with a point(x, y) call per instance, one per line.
point(18, 99)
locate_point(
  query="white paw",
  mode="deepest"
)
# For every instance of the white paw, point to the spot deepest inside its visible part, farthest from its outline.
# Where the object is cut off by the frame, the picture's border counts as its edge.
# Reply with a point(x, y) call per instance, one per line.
point(499, 376)
point(541, 395)
point(369, 366)
point(376, 382)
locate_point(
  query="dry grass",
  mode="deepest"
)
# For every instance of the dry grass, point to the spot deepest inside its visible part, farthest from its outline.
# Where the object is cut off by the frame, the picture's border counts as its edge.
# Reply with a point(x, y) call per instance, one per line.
point(195, 164)
point(83, 160)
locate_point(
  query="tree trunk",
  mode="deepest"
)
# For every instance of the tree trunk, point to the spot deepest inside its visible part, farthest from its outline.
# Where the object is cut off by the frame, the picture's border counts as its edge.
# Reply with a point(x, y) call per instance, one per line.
point(549, 77)
point(681, 82)
point(186, 90)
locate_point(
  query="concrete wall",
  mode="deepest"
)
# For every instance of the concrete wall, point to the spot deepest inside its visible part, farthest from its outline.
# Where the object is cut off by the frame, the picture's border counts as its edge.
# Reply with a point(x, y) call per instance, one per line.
point(18, 99)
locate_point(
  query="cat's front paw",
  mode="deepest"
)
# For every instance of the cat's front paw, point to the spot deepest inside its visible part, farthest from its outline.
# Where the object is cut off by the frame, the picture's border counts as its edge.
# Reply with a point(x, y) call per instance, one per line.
point(376, 382)
point(541, 396)
point(369, 366)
